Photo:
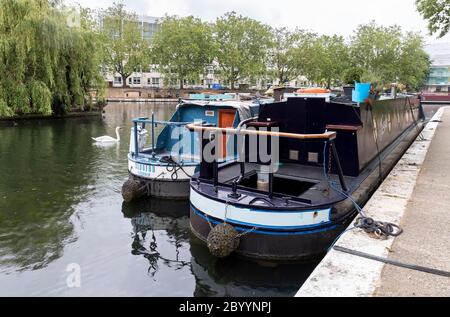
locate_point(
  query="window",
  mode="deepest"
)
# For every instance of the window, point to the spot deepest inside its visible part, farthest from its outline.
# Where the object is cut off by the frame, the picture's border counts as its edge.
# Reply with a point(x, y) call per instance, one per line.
point(117, 80)
point(149, 30)
point(154, 81)
point(136, 80)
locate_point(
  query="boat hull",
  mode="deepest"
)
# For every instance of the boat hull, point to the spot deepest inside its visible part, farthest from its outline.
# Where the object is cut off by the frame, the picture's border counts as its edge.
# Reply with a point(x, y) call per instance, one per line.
point(435, 98)
point(165, 189)
point(280, 246)
point(163, 180)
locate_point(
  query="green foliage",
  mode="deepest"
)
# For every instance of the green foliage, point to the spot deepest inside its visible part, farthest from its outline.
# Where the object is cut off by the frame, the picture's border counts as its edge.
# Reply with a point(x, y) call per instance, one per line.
point(437, 12)
point(388, 56)
point(352, 75)
point(377, 50)
point(289, 53)
point(329, 58)
point(241, 47)
point(414, 64)
point(48, 64)
point(182, 47)
point(40, 97)
point(122, 43)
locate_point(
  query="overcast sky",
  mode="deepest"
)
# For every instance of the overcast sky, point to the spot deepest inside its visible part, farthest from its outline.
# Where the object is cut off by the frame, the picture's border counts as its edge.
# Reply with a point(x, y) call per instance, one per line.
point(322, 16)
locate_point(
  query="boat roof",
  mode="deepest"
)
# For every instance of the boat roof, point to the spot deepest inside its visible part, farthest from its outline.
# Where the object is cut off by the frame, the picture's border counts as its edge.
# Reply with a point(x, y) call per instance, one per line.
point(244, 107)
point(218, 103)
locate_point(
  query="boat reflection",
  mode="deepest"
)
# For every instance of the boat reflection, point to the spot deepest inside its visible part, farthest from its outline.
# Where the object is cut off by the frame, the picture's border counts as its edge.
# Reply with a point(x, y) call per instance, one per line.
point(234, 276)
point(149, 216)
point(160, 233)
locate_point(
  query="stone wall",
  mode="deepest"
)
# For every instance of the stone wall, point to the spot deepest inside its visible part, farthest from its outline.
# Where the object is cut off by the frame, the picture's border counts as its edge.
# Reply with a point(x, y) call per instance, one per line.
point(157, 93)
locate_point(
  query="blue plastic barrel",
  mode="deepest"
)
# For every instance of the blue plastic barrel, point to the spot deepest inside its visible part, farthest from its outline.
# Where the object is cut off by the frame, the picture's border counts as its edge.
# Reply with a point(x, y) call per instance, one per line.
point(361, 92)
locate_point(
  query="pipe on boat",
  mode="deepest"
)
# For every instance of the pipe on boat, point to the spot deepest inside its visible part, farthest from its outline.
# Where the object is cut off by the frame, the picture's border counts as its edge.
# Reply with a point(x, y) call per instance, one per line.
point(322, 136)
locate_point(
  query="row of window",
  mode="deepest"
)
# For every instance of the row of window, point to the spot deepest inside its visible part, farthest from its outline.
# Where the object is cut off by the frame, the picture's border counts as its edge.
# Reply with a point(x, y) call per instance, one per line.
point(155, 81)
point(137, 81)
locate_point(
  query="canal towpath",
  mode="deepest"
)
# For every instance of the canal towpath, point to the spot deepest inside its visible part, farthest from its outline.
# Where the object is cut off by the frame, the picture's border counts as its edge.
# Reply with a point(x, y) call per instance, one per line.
point(416, 195)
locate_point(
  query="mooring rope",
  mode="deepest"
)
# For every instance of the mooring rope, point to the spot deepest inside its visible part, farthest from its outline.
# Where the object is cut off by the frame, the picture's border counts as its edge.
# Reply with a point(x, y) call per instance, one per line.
point(173, 167)
point(393, 262)
point(379, 228)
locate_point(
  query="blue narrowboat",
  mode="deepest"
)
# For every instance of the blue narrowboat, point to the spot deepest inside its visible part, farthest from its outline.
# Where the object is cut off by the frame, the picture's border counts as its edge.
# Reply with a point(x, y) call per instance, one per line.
point(161, 165)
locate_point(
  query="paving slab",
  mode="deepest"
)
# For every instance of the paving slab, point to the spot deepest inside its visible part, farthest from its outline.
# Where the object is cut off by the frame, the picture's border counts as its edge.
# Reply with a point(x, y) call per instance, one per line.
point(426, 224)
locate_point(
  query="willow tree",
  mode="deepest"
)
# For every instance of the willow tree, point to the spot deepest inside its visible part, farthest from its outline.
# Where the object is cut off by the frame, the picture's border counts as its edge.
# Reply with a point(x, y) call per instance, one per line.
point(48, 64)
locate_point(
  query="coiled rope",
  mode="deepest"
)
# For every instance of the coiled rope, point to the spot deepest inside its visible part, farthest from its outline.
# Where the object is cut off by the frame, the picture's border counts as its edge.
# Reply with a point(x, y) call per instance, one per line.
point(173, 167)
point(379, 228)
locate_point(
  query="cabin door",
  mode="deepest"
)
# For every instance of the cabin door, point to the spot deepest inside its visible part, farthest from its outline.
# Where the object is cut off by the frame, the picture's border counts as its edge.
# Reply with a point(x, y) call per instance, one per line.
point(226, 120)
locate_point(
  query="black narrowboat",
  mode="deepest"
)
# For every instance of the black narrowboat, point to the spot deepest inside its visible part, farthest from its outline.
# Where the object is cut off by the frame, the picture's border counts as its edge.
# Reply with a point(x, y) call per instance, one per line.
point(331, 155)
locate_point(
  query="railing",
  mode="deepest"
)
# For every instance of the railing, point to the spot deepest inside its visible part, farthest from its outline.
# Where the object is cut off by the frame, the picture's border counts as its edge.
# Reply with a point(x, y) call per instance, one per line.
point(145, 120)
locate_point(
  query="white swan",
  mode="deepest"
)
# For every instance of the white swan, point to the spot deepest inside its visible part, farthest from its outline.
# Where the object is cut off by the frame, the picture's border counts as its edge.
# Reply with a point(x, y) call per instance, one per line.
point(107, 138)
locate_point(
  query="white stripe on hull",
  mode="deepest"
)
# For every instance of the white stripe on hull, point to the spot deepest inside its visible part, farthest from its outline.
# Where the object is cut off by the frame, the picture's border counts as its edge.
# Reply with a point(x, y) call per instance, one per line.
point(259, 218)
point(151, 171)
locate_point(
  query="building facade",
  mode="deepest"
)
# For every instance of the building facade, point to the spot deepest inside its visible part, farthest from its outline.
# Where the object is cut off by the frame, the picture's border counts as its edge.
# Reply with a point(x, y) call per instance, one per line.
point(439, 77)
point(210, 79)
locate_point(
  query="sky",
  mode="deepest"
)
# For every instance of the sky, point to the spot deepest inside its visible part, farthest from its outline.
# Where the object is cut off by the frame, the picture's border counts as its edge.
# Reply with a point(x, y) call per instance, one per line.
point(322, 16)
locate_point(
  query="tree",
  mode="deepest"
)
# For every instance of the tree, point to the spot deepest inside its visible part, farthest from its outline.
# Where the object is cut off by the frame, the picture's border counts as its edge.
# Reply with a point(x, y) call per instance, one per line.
point(329, 60)
point(289, 53)
point(182, 47)
point(123, 46)
point(414, 62)
point(437, 12)
point(48, 64)
point(352, 75)
point(387, 55)
point(241, 46)
point(377, 49)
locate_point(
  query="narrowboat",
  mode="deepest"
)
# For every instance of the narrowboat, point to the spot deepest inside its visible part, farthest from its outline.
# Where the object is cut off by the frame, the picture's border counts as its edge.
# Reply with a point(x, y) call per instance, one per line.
point(326, 155)
point(435, 98)
point(163, 167)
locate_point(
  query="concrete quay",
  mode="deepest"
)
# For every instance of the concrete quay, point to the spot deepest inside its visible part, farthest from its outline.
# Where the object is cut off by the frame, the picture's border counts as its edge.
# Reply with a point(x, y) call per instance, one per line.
point(415, 195)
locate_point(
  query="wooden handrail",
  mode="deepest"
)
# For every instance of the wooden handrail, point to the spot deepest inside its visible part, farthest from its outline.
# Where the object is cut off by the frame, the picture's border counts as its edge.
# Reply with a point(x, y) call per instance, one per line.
point(323, 136)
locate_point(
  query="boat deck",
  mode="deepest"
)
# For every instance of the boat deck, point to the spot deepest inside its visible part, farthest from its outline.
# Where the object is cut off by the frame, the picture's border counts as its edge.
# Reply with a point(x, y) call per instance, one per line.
point(160, 153)
point(303, 186)
point(294, 186)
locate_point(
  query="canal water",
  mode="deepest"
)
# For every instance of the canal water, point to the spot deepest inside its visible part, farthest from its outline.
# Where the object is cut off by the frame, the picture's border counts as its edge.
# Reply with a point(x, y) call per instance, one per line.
point(65, 231)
